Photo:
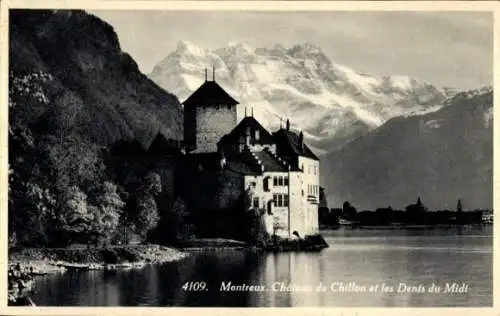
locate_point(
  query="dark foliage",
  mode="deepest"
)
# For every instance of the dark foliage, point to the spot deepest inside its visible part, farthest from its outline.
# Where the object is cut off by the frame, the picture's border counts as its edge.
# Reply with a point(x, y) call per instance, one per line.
point(73, 92)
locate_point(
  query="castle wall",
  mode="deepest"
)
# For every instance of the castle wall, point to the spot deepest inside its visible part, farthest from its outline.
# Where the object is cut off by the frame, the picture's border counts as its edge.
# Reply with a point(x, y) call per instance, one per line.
point(310, 187)
point(211, 124)
point(296, 212)
point(302, 206)
point(190, 126)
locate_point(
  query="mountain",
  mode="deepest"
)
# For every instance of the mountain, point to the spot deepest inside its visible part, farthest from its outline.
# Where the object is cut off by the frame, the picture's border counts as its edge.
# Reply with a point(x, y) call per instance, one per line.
point(92, 86)
point(441, 156)
point(330, 102)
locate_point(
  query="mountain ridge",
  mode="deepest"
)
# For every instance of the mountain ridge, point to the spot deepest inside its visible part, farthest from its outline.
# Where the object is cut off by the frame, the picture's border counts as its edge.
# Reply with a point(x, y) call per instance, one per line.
point(441, 156)
point(331, 103)
point(93, 81)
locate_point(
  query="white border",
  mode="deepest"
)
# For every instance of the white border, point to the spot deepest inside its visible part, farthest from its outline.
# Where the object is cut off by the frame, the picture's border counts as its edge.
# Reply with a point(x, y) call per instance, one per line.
point(236, 6)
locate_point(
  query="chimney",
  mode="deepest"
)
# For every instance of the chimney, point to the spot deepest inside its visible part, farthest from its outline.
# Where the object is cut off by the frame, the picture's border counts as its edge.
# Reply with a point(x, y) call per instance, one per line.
point(281, 122)
point(252, 112)
point(206, 73)
point(245, 111)
point(287, 124)
point(301, 141)
point(213, 73)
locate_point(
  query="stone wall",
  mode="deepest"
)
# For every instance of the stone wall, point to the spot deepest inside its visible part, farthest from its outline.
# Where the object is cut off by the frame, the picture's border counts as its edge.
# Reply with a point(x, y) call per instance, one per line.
point(211, 124)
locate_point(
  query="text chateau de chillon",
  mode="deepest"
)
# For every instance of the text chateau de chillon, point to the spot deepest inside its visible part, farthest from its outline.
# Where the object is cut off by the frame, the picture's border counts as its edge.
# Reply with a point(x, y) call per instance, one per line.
point(277, 172)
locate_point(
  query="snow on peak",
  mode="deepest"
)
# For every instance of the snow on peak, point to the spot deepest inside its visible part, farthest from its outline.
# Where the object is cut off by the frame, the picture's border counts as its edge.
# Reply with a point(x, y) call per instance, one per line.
point(400, 82)
point(322, 98)
point(363, 81)
point(306, 47)
point(236, 49)
point(239, 45)
point(187, 47)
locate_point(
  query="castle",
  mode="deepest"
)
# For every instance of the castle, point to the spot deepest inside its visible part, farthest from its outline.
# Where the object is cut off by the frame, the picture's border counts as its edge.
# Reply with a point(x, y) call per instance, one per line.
point(277, 172)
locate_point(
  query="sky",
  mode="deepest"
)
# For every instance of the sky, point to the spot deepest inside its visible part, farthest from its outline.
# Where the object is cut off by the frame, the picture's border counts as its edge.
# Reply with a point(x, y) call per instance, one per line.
point(452, 49)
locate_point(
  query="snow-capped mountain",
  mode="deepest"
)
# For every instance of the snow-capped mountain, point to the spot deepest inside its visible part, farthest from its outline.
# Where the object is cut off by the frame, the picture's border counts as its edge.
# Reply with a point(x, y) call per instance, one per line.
point(331, 103)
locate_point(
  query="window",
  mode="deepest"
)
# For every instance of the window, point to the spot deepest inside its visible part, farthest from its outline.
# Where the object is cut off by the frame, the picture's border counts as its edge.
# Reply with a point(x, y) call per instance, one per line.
point(256, 202)
point(280, 200)
point(265, 184)
point(257, 134)
point(280, 181)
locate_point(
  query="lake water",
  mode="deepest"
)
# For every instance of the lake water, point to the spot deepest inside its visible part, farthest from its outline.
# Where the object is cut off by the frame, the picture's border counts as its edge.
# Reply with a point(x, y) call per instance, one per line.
point(409, 262)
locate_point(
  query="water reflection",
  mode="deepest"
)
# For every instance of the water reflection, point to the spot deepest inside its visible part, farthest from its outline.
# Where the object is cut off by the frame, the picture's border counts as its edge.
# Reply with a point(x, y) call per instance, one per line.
point(367, 258)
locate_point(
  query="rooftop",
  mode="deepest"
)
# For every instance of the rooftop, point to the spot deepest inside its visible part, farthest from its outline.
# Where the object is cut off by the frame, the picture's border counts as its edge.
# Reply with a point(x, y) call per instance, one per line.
point(210, 93)
point(240, 130)
point(289, 142)
point(270, 162)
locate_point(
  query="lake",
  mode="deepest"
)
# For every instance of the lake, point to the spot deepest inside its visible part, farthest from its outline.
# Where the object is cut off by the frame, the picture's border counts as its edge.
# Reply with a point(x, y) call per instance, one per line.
point(423, 268)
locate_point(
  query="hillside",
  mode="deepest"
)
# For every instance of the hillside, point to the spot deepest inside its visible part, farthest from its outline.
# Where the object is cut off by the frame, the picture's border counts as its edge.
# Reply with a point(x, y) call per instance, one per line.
point(91, 85)
point(332, 103)
point(72, 93)
point(441, 156)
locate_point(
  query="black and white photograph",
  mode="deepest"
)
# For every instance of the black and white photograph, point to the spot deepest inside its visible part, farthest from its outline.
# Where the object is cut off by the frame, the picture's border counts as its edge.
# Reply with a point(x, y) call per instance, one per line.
point(249, 157)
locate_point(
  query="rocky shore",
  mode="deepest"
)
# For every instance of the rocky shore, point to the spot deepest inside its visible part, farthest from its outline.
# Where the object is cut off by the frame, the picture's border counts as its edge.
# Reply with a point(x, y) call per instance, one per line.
point(26, 264)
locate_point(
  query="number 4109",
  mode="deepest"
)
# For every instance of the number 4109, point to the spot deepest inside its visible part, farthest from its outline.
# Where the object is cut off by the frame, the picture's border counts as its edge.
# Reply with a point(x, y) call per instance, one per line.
point(194, 286)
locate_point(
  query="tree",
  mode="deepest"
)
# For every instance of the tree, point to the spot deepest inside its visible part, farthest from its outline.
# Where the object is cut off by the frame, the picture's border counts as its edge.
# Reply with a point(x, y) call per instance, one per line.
point(107, 211)
point(31, 200)
point(76, 219)
point(418, 207)
point(178, 220)
point(73, 161)
point(147, 216)
point(348, 211)
point(30, 211)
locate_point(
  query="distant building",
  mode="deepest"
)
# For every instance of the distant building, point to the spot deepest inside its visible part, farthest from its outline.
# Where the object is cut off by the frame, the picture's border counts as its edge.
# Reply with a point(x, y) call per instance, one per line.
point(487, 217)
point(278, 173)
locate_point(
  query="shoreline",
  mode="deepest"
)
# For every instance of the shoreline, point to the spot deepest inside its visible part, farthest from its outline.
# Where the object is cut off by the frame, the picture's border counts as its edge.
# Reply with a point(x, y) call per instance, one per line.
point(24, 265)
point(53, 260)
point(402, 226)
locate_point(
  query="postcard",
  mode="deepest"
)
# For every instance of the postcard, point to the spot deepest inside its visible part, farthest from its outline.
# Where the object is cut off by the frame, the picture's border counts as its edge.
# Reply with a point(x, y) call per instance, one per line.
point(179, 155)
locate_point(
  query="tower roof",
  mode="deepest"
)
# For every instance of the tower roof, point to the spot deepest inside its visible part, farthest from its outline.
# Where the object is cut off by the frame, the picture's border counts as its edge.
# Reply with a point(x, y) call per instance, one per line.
point(210, 93)
point(290, 143)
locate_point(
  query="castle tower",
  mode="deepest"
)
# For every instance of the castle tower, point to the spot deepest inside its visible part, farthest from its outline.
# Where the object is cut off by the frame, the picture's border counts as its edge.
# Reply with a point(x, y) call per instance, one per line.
point(209, 114)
